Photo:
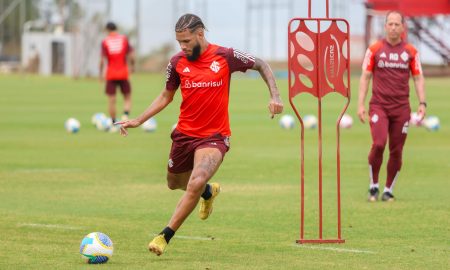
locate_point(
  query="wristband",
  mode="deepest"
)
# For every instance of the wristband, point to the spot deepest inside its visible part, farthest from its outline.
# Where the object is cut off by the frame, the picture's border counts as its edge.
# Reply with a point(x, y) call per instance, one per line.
point(423, 103)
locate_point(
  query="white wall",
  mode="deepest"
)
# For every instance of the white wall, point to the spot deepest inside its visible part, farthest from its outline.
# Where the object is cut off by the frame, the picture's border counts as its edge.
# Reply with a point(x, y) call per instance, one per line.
point(42, 43)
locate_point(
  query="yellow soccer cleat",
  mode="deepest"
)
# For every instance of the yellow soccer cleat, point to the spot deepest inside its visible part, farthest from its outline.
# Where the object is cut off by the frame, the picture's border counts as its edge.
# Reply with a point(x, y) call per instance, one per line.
point(206, 206)
point(158, 245)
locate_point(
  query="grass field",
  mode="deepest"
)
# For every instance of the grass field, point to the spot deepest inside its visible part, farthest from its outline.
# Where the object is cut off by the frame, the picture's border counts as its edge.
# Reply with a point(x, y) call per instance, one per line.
point(56, 187)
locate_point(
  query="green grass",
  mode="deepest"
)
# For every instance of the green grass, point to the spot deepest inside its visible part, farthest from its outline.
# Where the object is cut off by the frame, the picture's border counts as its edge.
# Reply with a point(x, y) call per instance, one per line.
point(94, 181)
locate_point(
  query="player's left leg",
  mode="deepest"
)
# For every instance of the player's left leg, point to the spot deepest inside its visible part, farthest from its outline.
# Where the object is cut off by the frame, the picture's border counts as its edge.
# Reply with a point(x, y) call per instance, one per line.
point(398, 130)
point(126, 91)
point(206, 163)
point(112, 107)
point(110, 91)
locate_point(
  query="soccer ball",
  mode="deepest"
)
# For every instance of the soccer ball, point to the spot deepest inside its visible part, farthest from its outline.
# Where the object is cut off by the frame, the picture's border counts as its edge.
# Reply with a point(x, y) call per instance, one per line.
point(96, 248)
point(310, 121)
point(72, 125)
point(97, 117)
point(415, 120)
point(432, 123)
point(104, 124)
point(287, 121)
point(150, 125)
point(346, 121)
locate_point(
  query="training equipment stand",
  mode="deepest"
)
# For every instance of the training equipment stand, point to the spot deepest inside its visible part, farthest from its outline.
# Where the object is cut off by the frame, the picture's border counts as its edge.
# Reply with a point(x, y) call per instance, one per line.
point(319, 52)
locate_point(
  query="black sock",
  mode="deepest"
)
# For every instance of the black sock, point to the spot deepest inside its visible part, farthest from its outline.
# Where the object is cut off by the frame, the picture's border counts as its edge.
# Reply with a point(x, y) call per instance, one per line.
point(207, 193)
point(168, 233)
point(113, 120)
point(126, 113)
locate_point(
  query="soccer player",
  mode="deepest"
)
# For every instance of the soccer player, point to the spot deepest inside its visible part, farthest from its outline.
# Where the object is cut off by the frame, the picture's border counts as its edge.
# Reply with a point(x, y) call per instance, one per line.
point(390, 62)
point(116, 51)
point(202, 70)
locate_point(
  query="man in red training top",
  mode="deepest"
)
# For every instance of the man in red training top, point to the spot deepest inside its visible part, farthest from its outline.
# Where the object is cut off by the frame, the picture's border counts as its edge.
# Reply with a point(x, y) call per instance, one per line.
point(390, 62)
point(116, 51)
point(202, 70)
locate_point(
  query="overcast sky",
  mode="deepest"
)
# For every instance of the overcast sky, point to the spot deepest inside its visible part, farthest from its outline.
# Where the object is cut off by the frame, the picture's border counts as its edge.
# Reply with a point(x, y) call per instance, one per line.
point(226, 21)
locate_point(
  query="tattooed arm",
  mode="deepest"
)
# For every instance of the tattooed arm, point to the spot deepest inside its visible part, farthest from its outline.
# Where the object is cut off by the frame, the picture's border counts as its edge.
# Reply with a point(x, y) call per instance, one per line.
point(275, 105)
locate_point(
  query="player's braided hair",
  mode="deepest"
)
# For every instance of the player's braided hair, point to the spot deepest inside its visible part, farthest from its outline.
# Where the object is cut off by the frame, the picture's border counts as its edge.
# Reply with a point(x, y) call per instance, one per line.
point(189, 21)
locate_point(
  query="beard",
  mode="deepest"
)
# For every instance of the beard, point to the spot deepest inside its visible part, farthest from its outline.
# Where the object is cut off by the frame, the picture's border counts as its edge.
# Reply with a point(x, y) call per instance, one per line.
point(195, 53)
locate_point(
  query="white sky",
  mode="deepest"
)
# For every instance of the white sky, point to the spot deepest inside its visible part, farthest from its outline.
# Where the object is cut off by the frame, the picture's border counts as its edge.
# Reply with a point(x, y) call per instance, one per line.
point(226, 21)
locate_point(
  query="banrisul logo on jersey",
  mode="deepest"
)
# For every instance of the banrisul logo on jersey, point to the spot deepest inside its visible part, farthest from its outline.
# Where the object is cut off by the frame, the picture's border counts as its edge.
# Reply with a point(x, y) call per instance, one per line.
point(191, 84)
point(394, 61)
point(387, 64)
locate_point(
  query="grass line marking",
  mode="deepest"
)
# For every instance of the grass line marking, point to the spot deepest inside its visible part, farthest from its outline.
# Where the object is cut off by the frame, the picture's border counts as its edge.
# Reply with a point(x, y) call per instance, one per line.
point(200, 238)
point(335, 249)
point(49, 226)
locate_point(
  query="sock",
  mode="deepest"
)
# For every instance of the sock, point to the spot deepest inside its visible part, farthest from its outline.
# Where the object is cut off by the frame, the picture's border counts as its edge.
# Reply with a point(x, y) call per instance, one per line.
point(113, 120)
point(374, 186)
point(168, 233)
point(386, 189)
point(126, 113)
point(207, 193)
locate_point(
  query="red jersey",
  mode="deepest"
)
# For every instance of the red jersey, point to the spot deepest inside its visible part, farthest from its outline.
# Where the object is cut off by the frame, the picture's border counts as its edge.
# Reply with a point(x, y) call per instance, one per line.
point(205, 86)
point(115, 48)
point(391, 67)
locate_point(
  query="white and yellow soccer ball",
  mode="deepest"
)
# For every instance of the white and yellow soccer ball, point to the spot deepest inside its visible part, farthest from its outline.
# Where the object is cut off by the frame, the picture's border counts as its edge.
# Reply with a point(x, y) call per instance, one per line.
point(72, 125)
point(310, 121)
point(432, 123)
point(104, 124)
point(97, 117)
point(287, 121)
point(150, 125)
point(96, 248)
point(415, 120)
point(346, 121)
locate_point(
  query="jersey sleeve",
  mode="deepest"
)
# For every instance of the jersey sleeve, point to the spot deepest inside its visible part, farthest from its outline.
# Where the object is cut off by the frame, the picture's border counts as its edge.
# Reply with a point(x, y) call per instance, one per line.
point(369, 58)
point(239, 61)
point(172, 76)
point(415, 65)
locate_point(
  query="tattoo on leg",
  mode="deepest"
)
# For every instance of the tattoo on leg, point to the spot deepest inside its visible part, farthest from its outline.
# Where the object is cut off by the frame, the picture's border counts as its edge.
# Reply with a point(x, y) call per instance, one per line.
point(209, 163)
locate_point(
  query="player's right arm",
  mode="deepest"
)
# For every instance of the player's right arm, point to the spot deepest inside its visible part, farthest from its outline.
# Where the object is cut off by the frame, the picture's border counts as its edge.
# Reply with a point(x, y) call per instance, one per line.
point(101, 65)
point(366, 75)
point(160, 102)
point(363, 89)
point(164, 98)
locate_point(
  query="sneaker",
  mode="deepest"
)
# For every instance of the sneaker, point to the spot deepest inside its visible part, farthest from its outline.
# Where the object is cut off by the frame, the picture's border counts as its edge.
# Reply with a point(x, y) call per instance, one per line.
point(373, 194)
point(387, 197)
point(206, 206)
point(158, 245)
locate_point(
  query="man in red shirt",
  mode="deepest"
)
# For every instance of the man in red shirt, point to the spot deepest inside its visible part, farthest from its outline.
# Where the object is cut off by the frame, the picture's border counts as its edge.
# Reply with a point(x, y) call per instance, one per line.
point(116, 51)
point(202, 70)
point(390, 62)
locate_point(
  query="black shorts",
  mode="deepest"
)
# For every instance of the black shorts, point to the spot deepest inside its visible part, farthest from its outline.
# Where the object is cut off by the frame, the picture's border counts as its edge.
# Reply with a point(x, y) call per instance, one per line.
point(181, 158)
